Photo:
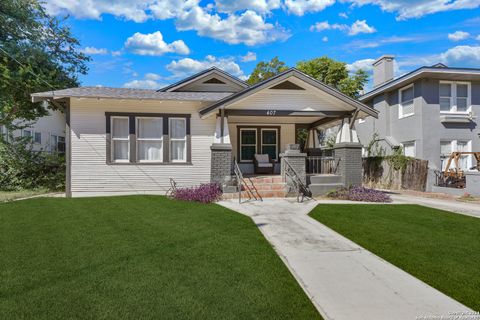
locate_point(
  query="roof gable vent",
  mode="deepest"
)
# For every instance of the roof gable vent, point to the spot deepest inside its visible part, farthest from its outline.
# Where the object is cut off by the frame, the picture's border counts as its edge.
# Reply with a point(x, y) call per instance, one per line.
point(439, 65)
point(214, 81)
point(287, 85)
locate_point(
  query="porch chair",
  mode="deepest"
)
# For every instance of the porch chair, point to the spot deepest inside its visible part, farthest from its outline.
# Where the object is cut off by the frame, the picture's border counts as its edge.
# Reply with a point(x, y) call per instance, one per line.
point(263, 164)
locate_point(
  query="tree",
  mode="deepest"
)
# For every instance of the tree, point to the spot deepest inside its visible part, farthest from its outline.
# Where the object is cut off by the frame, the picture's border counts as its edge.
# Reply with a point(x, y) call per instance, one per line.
point(334, 73)
point(265, 70)
point(37, 54)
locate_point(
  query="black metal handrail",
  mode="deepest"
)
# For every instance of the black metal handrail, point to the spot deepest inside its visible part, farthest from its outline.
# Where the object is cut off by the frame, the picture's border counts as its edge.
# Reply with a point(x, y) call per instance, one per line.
point(301, 188)
point(251, 191)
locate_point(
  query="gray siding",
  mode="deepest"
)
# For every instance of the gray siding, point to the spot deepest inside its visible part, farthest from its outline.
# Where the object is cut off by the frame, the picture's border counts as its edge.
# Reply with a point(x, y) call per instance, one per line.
point(424, 127)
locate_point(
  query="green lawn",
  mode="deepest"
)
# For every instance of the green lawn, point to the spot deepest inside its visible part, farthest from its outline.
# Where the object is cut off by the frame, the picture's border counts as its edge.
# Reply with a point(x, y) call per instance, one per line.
point(139, 257)
point(438, 247)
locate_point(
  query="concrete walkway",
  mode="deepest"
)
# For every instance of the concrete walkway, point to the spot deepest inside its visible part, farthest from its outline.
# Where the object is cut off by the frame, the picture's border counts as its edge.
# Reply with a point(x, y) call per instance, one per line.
point(343, 280)
point(469, 209)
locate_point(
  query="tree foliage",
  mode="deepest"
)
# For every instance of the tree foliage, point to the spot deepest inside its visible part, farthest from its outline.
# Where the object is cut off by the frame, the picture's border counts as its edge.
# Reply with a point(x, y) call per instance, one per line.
point(335, 74)
point(265, 70)
point(37, 54)
point(22, 168)
point(329, 71)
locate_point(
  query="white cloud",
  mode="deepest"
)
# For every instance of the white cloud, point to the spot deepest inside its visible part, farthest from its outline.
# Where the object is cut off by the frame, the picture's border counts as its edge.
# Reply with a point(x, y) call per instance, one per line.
point(461, 56)
point(359, 26)
point(458, 35)
point(374, 43)
point(343, 15)
point(250, 56)
point(407, 9)
point(93, 9)
point(187, 66)
point(94, 51)
point(116, 53)
point(478, 37)
point(364, 64)
point(261, 6)
point(325, 39)
point(152, 76)
point(249, 27)
point(153, 45)
point(300, 7)
point(149, 81)
point(324, 25)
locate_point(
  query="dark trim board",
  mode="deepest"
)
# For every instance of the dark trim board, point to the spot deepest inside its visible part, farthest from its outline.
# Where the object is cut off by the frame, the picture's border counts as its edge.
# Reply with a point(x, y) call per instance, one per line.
point(259, 136)
point(284, 113)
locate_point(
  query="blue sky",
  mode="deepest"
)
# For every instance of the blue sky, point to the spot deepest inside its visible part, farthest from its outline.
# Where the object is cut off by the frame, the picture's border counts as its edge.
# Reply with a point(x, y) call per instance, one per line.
point(148, 44)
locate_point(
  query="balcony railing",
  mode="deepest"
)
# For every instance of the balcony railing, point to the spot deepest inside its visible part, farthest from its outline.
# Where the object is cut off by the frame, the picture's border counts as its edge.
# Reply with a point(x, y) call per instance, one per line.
point(321, 165)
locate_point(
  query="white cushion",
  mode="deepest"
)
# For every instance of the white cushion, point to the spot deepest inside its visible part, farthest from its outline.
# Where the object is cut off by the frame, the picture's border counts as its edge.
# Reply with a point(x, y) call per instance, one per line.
point(265, 165)
point(261, 158)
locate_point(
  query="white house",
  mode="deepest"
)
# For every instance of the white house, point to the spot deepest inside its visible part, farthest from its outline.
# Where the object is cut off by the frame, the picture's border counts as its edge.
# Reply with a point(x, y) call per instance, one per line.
point(48, 132)
point(124, 141)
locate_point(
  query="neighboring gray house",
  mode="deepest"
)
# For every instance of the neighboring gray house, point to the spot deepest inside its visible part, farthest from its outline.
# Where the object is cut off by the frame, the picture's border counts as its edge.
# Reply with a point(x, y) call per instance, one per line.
point(430, 112)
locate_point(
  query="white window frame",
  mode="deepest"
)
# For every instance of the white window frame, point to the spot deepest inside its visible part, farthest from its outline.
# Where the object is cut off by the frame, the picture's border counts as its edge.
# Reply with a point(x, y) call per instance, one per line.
point(414, 147)
point(401, 115)
point(453, 97)
point(177, 139)
point(112, 153)
point(27, 130)
point(35, 138)
point(269, 144)
point(148, 139)
point(249, 144)
point(454, 148)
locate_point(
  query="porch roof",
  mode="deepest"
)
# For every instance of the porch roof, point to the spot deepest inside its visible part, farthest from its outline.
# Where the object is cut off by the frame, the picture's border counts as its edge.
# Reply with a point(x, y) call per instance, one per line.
point(357, 106)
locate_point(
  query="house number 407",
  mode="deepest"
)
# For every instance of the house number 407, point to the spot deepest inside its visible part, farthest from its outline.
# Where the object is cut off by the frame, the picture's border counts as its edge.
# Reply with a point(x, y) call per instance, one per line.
point(271, 112)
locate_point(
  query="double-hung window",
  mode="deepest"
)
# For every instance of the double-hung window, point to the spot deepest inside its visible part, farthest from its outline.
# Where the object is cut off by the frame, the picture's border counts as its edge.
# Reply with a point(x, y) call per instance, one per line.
point(37, 137)
point(248, 144)
point(449, 146)
point(149, 139)
point(406, 105)
point(120, 139)
point(454, 97)
point(178, 139)
point(269, 142)
point(409, 149)
point(27, 133)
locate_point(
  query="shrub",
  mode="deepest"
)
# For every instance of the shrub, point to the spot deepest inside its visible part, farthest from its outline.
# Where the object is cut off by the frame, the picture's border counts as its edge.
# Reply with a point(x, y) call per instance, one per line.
point(357, 193)
point(22, 168)
point(204, 193)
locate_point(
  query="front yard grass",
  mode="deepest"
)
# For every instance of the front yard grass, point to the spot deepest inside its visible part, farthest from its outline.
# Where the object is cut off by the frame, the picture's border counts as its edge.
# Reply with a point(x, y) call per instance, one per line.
point(438, 247)
point(139, 257)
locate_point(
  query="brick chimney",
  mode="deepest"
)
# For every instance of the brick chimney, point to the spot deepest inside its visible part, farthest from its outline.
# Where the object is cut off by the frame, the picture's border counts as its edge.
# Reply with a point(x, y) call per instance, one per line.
point(383, 70)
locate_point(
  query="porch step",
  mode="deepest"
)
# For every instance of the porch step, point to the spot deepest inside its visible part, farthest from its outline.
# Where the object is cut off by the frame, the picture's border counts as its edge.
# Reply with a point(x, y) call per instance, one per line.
point(324, 188)
point(325, 178)
point(263, 194)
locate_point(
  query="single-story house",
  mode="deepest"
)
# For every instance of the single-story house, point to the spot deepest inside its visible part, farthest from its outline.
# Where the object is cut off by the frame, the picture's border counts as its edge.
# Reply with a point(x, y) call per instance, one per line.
point(127, 141)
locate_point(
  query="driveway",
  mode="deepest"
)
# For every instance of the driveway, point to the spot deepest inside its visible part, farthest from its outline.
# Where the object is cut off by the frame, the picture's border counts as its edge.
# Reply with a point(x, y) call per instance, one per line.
point(343, 280)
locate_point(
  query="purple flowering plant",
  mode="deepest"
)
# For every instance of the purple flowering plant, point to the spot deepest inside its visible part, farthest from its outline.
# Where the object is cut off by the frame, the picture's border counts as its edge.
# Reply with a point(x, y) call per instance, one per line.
point(358, 193)
point(204, 193)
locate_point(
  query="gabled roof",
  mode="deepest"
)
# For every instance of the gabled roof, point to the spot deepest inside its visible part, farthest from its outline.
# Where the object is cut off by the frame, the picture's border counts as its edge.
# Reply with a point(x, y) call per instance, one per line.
point(200, 75)
point(125, 93)
point(280, 78)
point(436, 70)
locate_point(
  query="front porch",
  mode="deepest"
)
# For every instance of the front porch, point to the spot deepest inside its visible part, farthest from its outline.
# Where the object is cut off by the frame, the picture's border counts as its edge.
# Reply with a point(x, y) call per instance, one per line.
point(262, 125)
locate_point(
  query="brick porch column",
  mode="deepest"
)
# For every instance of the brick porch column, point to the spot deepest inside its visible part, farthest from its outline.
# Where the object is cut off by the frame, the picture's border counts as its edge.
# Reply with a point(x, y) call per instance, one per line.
point(296, 159)
point(221, 163)
point(348, 156)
